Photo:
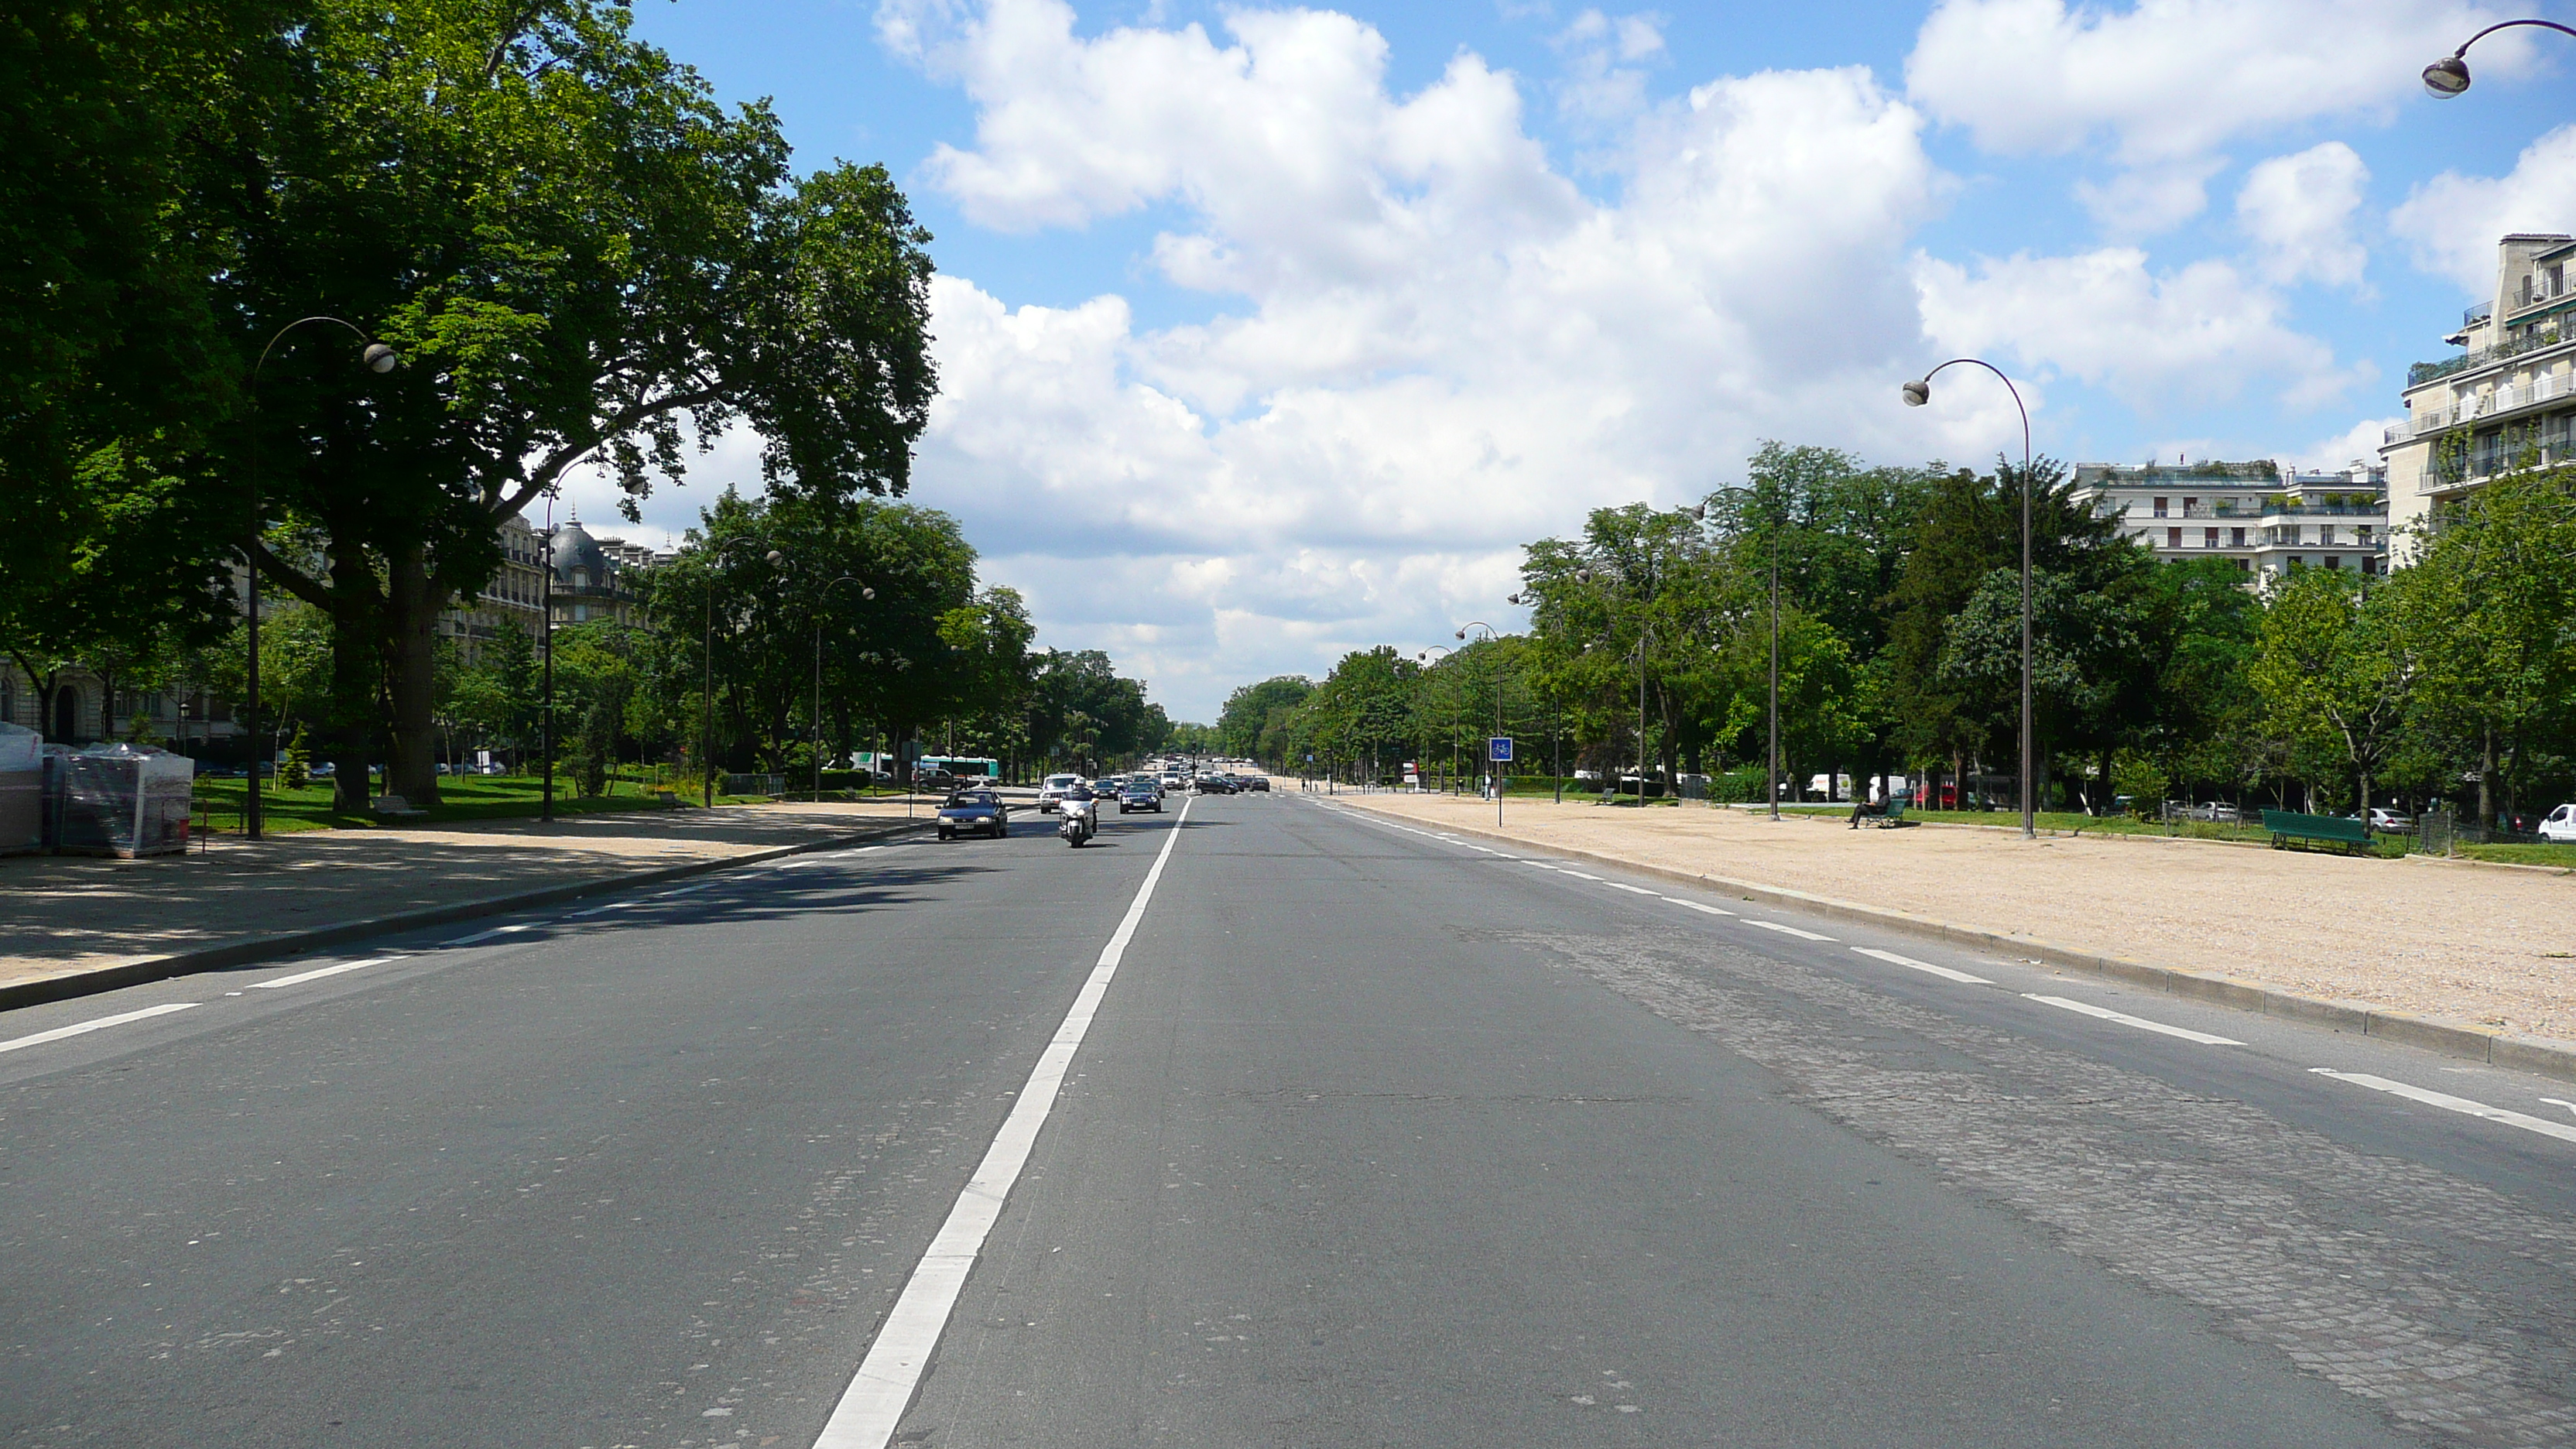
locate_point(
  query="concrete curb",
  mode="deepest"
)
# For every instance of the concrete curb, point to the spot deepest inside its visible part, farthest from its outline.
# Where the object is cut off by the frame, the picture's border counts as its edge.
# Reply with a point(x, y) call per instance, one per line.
point(2452, 1039)
point(73, 984)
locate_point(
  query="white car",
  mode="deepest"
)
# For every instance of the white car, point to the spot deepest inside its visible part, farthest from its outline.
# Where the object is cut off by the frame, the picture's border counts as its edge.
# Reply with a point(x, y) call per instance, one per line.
point(2390, 821)
point(1052, 791)
point(2560, 827)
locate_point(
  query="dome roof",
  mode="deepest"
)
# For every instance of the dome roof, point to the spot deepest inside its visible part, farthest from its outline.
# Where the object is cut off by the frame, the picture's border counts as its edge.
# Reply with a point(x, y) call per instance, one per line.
point(574, 548)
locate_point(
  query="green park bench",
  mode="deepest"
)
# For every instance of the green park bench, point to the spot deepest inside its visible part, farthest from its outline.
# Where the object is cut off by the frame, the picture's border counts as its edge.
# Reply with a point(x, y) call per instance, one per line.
point(1890, 818)
point(2287, 826)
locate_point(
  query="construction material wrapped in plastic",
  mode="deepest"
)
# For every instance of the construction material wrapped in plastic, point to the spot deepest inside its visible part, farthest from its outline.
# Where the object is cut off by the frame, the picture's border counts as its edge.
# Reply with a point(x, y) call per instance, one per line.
point(22, 790)
point(126, 801)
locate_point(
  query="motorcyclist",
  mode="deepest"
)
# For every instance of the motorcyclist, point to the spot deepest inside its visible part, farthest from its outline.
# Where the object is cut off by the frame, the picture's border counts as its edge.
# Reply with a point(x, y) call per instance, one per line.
point(1081, 810)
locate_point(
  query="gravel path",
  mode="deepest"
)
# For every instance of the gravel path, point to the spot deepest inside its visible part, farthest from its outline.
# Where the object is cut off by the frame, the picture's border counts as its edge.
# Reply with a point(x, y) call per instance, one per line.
point(2488, 946)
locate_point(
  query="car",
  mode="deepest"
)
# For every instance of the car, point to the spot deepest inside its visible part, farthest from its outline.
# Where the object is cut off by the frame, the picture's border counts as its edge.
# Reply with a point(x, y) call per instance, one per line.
point(1140, 796)
point(2390, 821)
point(1052, 790)
point(1215, 785)
point(1171, 780)
point(977, 812)
point(2560, 827)
point(1257, 784)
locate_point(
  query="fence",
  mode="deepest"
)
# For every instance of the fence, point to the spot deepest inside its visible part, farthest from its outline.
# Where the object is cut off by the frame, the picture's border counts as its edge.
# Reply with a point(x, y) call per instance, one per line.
point(755, 784)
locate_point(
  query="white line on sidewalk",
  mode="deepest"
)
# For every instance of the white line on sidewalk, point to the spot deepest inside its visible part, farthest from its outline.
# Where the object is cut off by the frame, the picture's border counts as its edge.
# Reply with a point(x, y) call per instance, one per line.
point(1696, 906)
point(874, 1403)
point(301, 977)
point(2140, 1022)
point(2443, 1100)
point(78, 1028)
point(1892, 959)
point(1786, 930)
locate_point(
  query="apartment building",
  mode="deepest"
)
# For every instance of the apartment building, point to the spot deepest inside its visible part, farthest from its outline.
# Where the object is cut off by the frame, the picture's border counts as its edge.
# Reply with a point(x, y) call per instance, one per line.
point(594, 579)
point(2506, 400)
point(2267, 518)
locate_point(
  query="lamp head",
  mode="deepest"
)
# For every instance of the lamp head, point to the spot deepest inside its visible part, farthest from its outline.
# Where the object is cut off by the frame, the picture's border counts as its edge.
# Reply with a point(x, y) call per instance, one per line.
point(777, 559)
point(1698, 512)
point(2447, 77)
point(1918, 392)
point(1583, 576)
point(380, 358)
point(1462, 634)
point(866, 592)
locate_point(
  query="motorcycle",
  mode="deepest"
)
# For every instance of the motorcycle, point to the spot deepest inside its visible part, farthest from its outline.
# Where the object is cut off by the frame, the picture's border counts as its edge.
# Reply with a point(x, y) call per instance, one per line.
point(1081, 818)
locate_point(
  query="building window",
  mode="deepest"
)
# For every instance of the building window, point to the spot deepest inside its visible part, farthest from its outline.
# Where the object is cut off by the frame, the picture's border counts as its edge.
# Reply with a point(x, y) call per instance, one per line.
point(2245, 565)
point(2296, 561)
point(2160, 508)
point(2332, 562)
point(2209, 538)
point(2236, 538)
point(2325, 533)
point(2363, 533)
point(2173, 538)
point(2189, 505)
point(2369, 565)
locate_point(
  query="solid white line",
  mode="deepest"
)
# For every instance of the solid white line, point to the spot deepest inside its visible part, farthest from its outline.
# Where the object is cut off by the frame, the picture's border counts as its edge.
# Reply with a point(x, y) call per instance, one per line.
point(1696, 906)
point(2447, 1102)
point(2140, 1022)
point(874, 1403)
point(58, 1033)
point(1633, 890)
point(1892, 959)
point(301, 978)
point(1786, 930)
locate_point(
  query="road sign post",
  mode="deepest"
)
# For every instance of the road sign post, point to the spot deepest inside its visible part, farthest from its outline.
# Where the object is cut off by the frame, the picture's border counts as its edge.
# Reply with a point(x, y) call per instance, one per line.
point(1498, 751)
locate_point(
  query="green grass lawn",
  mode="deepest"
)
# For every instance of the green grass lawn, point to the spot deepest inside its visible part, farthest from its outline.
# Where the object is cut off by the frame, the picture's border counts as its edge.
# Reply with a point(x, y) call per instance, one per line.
point(2562, 856)
point(462, 797)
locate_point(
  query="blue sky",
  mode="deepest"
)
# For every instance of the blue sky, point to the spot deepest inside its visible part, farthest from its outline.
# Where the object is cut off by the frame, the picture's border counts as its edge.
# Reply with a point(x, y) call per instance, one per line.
point(1268, 334)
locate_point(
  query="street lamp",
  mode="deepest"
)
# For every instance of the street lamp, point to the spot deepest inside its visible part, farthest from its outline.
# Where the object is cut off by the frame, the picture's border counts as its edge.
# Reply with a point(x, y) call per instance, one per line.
point(546, 610)
point(865, 592)
point(1775, 659)
point(1919, 392)
point(1645, 628)
point(707, 687)
point(2449, 76)
point(375, 357)
point(1424, 655)
point(1495, 766)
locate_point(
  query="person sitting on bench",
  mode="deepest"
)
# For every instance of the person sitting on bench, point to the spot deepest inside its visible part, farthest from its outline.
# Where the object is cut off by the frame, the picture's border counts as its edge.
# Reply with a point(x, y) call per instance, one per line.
point(1863, 808)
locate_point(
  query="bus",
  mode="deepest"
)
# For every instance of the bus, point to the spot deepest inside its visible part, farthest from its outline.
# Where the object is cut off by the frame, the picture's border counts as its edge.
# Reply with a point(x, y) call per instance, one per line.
point(963, 767)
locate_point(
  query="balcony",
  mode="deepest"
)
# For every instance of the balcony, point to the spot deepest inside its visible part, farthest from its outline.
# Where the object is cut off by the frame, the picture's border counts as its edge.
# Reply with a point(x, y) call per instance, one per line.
point(2420, 373)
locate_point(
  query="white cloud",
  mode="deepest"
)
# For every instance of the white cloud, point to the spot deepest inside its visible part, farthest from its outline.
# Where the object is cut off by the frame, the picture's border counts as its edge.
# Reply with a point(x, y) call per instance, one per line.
point(2454, 220)
point(2166, 80)
point(2149, 199)
point(1605, 60)
point(2298, 210)
point(2201, 334)
point(2358, 444)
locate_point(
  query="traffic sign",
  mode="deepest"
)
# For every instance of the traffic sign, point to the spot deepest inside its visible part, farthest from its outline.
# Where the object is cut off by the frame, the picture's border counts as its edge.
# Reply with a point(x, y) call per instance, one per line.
point(1499, 749)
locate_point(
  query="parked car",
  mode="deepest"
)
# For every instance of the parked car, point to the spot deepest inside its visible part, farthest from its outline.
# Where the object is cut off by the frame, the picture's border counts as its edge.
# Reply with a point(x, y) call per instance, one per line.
point(1052, 790)
point(1140, 796)
point(975, 812)
point(2390, 821)
point(2560, 827)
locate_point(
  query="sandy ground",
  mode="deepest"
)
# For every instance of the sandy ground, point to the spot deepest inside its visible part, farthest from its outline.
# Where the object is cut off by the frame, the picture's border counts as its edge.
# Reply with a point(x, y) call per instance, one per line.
point(2493, 947)
point(60, 914)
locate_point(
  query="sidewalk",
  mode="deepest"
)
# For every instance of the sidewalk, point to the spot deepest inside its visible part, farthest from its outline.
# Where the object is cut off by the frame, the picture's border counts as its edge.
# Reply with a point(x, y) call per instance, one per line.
point(2493, 948)
point(65, 916)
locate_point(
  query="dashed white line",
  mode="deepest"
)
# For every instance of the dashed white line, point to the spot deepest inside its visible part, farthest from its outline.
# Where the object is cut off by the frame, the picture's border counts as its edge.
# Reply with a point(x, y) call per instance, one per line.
point(1578, 875)
point(1633, 890)
point(1696, 906)
point(1786, 930)
point(100, 1024)
point(2124, 1019)
point(315, 975)
point(2449, 1103)
point(1892, 959)
point(495, 931)
point(872, 1406)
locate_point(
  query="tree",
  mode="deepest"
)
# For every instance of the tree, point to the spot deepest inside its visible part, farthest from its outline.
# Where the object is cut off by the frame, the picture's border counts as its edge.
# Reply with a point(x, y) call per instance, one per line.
point(1251, 710)
point(2334, 671)
point(580, 257)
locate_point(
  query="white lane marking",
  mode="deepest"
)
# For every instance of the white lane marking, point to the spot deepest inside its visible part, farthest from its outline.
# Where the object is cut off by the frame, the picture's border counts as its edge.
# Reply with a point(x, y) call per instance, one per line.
point(1786, 930)
point(1578, 875)
point(2449, 1103)
point(495, 931)
point(2140, 1022)
point(78, 1028)
point(602, 910)
point(2560, 1102)
point(1696, 906)
point(873, 1405)
point(1892, 959)
point(301, 977)
point(1633, 890)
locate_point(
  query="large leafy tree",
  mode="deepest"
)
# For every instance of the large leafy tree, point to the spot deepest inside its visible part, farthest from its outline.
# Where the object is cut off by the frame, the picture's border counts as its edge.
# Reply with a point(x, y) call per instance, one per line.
point(2335, 670)
point(583, 259)
point(1253, 711)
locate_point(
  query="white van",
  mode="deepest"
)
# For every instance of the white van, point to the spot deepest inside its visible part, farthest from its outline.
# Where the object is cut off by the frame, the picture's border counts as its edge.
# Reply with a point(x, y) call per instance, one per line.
point(2560, 827)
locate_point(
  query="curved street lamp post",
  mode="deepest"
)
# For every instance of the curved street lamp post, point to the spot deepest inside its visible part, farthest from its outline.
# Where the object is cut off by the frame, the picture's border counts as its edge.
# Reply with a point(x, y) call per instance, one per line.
point(375, 357)
point(1919, 392)
point(1424, 656)
point(865, 592)
point(2449, 76)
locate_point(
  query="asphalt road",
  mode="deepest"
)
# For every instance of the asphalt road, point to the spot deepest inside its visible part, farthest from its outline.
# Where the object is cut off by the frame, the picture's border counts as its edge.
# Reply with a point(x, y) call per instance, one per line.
point(1365, 1136)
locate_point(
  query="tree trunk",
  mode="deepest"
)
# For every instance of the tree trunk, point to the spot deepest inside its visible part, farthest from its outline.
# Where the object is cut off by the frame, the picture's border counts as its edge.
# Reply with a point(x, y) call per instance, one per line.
point(353, 686)
point(411, 656)
point(2486, 778)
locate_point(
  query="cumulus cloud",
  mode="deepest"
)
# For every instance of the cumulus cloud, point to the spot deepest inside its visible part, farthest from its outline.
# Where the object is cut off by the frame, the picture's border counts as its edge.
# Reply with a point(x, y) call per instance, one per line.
point(2150, 199)
point(2359, 443)
point(1605, 60)
point(2454, 220)
point(2298, 211)
point(2202, 333)
point(2166, 80)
